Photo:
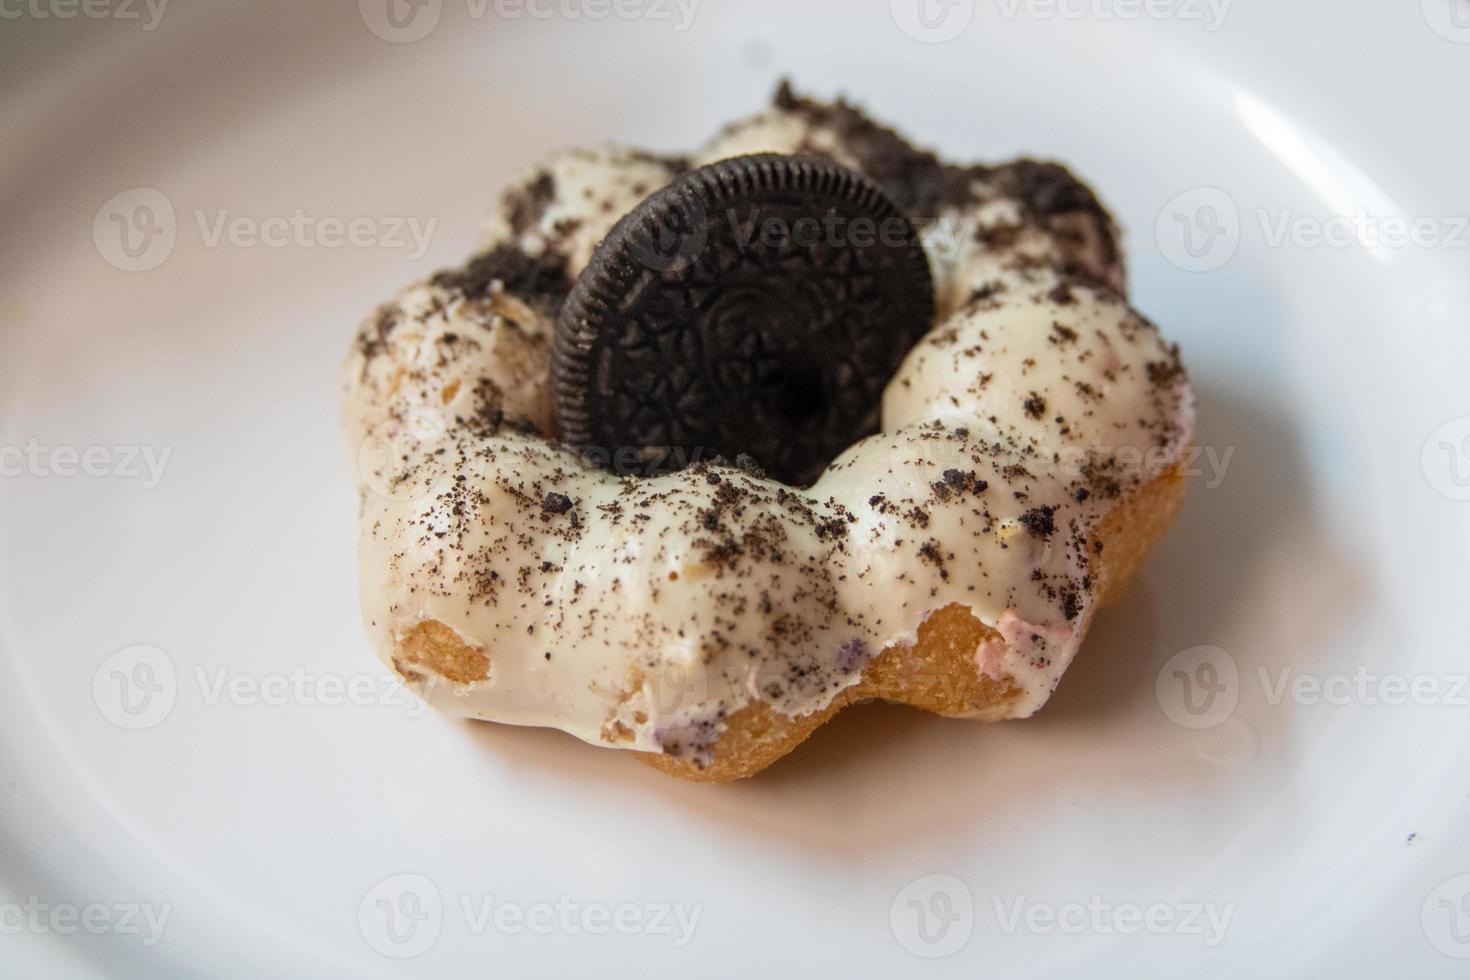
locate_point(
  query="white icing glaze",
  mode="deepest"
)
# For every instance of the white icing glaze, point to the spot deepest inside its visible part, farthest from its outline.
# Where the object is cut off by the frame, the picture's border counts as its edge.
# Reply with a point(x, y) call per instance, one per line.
point(776, 132)
point(638, 612)
point(593, 189)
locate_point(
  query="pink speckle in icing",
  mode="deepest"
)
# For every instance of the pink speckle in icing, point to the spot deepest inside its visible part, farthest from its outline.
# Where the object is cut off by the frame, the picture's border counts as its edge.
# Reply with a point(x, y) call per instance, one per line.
point(1021, 644)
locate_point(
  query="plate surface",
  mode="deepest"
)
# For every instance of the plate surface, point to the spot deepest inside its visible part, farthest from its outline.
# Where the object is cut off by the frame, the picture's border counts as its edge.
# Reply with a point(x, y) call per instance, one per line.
point(1256, 765)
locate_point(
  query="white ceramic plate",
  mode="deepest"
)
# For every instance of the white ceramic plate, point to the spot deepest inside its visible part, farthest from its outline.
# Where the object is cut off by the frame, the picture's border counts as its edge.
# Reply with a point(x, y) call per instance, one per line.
point(1257, 766)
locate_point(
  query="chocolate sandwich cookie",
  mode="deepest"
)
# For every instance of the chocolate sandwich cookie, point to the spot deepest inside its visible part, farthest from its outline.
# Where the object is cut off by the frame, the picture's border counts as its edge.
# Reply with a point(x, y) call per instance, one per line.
point(758, 306)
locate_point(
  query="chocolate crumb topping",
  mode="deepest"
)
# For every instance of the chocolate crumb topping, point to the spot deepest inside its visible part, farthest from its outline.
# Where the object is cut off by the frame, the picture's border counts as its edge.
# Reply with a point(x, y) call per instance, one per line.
point(1051, 189)
point(499, 526)
point(1061, 294)
point(556, 503)
point(542, 279)
point(525, 206)
point(916, 179)
point(1040, 521)
point(372, 343)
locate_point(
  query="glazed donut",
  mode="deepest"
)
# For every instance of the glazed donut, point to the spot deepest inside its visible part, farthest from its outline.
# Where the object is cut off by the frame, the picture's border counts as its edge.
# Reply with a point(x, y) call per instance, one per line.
point(1031, 452)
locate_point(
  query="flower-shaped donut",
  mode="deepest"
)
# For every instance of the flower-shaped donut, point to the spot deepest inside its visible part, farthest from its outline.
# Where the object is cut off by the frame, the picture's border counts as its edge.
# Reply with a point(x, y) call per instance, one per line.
point(1031, 451)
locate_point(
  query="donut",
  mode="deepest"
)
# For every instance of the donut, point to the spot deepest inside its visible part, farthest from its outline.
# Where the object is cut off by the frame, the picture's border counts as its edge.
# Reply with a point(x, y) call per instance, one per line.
point(1023, 455)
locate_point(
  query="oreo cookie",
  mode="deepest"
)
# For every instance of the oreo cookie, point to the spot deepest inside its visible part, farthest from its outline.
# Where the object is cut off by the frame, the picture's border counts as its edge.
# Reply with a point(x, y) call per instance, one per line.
point(755, 306)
